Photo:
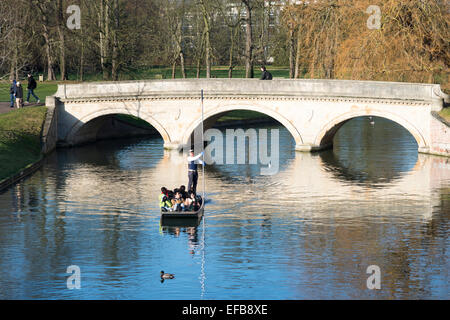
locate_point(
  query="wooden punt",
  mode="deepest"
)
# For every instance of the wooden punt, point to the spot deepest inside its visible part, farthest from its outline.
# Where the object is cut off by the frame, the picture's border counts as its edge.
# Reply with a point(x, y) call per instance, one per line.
point(182, 219)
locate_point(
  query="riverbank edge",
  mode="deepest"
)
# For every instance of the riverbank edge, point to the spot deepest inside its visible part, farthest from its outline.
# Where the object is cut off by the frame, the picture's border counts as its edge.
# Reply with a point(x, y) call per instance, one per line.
point(23, 173)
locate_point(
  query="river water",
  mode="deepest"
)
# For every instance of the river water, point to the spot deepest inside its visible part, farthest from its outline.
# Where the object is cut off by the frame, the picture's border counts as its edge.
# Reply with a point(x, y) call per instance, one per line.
point(308, 232)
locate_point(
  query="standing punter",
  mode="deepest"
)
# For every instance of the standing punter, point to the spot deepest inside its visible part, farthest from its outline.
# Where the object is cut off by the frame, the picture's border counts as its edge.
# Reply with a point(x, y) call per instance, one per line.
point(193, 161)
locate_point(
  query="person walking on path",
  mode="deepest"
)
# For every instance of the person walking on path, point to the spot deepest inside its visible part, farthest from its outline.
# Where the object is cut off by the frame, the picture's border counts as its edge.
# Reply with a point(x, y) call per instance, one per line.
point(12, 93)
point(31, 87)
point(19, 95)
point(266, 75)
point(192, 170)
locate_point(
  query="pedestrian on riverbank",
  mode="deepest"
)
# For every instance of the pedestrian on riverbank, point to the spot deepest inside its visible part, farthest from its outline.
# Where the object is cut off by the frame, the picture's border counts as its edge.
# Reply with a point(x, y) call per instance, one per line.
point(19, 95)
point(12, 92)
point(266, 75)
point(32, 85)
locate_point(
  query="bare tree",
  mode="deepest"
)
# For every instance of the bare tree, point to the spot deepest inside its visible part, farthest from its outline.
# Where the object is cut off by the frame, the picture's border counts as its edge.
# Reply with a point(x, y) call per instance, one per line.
point(231, 13)
point(326, 39)
point(248, 55)
point(46, 11)
point(207, 35)
point(60, 25)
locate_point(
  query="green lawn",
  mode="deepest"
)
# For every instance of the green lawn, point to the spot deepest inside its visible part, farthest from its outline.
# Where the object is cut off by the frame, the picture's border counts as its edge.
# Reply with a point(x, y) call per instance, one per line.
point(242, 115)
point(445, 113)
point(135, 121)
point(43, 90)
point(20, 139)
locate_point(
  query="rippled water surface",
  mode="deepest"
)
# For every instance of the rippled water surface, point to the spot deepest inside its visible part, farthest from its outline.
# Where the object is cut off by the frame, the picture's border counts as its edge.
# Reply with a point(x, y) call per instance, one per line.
point(308, 232)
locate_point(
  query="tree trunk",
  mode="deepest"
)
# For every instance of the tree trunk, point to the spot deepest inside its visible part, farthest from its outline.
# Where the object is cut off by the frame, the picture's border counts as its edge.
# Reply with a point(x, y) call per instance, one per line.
point(180, 49)
point(182, 66)
point(46, 35)
point(291, 54)
point(115, 42)
point(50, 72)
point(207, 32)
point(198, 68)
point(104, 35)
point(208, 55)
point(82, 61)
point(249, 73)
point(313, 62)
point(62, 45)
point(199, 56)
point(62, 58)
point(230, 62)
point(297, 58)
point(174, 65)
point(181, 43)
point(13, 70)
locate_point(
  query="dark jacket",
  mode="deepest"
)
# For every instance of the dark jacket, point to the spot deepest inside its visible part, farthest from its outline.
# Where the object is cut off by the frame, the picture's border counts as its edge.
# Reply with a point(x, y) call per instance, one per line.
point(266, 75)
point(19, 92)
point(32, 83)
point(12, 89)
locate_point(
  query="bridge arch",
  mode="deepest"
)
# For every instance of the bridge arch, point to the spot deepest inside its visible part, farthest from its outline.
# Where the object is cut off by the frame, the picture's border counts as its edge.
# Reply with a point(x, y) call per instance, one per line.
point(74, 130)
point(211, 116)
point(326, 134)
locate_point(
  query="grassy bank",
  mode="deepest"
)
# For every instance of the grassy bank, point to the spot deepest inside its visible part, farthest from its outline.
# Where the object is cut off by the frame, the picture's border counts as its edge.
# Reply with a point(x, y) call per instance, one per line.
point(20, 144)
point(445, 113)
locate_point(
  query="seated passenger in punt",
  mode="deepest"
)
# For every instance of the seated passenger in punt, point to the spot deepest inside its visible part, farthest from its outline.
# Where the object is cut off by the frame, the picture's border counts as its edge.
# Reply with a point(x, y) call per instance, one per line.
point(179, 200)
point(164, 201)
point(193, 202)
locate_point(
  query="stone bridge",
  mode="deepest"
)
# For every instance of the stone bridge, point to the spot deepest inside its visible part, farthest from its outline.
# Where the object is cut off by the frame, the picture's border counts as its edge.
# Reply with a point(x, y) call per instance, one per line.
point(311, 110)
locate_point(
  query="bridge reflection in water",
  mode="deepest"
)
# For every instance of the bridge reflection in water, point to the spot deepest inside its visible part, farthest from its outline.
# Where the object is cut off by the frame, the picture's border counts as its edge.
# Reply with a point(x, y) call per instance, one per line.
point(322, 219)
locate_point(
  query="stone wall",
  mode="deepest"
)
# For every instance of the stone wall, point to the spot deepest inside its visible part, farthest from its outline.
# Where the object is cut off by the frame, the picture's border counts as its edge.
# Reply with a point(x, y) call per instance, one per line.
point(252, 87)
point(49, 136)
point(440, 136)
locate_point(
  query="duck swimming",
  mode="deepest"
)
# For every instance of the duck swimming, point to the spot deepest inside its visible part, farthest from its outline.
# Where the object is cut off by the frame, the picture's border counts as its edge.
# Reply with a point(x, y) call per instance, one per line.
point(167, 275)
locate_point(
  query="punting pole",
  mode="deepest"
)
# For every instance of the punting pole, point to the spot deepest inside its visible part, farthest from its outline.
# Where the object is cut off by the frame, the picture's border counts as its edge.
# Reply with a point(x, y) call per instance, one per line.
point(202, 271)
point(203, 150)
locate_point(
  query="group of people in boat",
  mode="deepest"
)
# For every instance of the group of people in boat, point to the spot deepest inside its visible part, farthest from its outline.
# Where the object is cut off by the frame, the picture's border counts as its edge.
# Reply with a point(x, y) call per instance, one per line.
point(179, 200)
